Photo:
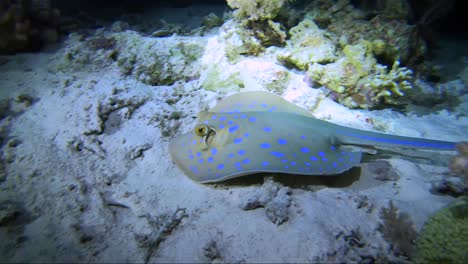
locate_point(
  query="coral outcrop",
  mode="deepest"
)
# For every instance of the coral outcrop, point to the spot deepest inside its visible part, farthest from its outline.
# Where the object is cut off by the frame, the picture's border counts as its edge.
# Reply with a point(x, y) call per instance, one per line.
point(27, 25)
point(443, 237)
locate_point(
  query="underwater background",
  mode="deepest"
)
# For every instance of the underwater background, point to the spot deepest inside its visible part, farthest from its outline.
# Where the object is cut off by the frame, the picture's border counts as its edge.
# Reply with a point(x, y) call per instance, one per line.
point(93, 94)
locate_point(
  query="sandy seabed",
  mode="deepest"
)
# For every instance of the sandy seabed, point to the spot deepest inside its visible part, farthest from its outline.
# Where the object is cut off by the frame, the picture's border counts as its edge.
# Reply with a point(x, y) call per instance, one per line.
point(87, 177)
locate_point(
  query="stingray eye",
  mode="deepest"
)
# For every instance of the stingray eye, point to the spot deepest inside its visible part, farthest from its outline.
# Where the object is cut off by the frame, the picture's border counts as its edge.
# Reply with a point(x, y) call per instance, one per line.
point(201, 130)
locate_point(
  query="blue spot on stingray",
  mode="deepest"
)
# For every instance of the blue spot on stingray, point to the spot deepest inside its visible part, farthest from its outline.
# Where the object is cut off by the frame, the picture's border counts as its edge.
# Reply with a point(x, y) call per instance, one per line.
point(294, 155)
point(335, 165)
point(241, 152)
point(293, 163)
point(267, 129)
point(194, 169)
point(222, 118)
point(214, 151)
point(194, 142)
point(236, 116)
point(198, 154)
point(246, 161)
point(340, 159)
point(303, 137)
point(243, 116)
point(231, 155)
point(321, 153)
point(286, 166)
point(236, 111)
point(284, 161)
point(324, 159)
point(264, 105)
point(313, 158)
point(230, 112)
point(233, 128)
point(265, 145)
point(191, 156)
point(237, 140)
point(277, 154)
point(343, 153)
point(201, 140)
point(220, 166)
point(251, 106)
point(206, 122)
point(253, 119)
point(304, 149)
point(230, 122)
point(237, 164)
point(307, 164)
point(213, 117)
point(246, 135)
point(210, 159)
point(282, 141)
point(332, 147)
point(265, 163)
point(200, 161)
point(221, 126)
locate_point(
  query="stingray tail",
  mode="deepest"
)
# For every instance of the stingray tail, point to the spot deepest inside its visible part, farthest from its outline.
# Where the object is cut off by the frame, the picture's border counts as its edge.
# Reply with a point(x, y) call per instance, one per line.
point(345, 135)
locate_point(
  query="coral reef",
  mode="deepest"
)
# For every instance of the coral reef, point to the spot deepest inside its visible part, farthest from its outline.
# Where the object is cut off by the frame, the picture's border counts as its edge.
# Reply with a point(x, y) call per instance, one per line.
point(256, 9)
point(396, 36)
point(443, 237)
point(256, 19)
point(238, 41)
point(382, 86)
point(344, 73)
point(154, 61)
point(459, 164)
point(308, 44)
point(26, 25)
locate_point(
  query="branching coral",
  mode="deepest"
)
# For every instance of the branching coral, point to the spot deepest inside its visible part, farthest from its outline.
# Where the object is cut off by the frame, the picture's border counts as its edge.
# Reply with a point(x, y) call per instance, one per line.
point(381, 87)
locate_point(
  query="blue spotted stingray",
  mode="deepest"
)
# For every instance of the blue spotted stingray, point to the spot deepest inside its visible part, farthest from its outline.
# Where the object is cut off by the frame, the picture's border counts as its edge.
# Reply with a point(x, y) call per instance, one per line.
point(254, 132)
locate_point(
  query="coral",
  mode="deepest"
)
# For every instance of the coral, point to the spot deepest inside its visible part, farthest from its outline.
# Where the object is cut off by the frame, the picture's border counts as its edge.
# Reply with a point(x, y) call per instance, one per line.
point(308, 44)
point(383, 86)
point(211, 21)
point(238, 41)
point(26, 25)
point(274, 198)
point(397, 229)
point(215, 79)
point(154, 61)
point(269, 33)
point(256, 9)
point(395, 36)
point(343, 74)
point(443, 237)
point(256, 17)
point(459, 164)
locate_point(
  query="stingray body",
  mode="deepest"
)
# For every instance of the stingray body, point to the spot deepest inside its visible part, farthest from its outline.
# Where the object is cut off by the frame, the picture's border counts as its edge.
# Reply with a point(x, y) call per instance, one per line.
point(255, 132)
